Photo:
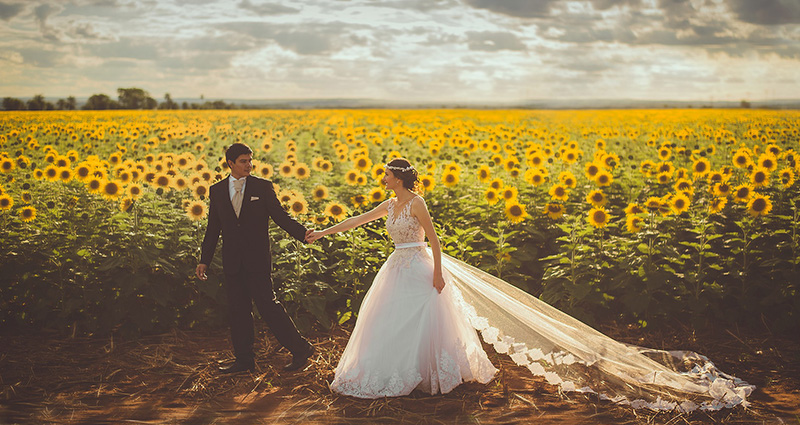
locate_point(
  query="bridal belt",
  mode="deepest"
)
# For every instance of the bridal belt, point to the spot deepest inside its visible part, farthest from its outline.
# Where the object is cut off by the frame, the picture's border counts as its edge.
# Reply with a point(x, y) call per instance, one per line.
point(409, 245)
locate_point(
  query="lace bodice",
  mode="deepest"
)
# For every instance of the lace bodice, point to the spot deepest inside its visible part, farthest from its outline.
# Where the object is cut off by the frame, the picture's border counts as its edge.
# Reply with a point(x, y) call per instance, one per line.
point(401, 225)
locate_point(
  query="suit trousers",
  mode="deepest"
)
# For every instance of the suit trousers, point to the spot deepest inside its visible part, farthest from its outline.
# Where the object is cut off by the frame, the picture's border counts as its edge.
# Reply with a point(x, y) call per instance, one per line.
point(243, 288)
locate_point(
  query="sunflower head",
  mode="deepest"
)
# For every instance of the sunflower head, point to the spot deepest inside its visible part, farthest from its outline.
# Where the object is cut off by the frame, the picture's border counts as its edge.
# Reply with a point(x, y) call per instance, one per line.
point(515, 212)
point(27, 214)
point(554, 210)
point(196, 210)
point(634, 223)
point(598, 217)
point(759, 205)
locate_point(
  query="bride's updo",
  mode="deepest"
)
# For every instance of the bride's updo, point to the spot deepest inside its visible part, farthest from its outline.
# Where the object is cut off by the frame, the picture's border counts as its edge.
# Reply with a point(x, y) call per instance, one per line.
point(402, 169)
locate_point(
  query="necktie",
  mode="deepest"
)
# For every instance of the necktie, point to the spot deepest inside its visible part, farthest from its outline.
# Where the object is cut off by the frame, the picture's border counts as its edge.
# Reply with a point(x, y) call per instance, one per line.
point(237, 197)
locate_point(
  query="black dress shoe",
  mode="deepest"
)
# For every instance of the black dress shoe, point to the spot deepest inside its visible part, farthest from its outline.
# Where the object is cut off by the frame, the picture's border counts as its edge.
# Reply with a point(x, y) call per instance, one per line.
point(238, 366)
point(300, 360)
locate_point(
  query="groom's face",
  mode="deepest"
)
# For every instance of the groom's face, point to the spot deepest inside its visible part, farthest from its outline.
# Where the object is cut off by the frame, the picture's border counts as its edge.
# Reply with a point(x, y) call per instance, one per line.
point(242, 166)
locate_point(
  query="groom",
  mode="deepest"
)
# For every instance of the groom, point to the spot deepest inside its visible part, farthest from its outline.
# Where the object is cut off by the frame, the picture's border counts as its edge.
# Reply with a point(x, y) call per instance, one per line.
point(240, 207)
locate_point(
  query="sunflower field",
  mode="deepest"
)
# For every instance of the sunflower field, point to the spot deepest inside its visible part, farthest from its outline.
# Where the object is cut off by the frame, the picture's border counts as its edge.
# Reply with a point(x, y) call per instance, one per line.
point(643, 217)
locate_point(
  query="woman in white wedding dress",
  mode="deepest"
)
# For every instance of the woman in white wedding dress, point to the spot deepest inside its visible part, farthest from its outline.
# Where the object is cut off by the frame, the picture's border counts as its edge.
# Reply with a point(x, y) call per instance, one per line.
point(417, 329)
point(409, 333)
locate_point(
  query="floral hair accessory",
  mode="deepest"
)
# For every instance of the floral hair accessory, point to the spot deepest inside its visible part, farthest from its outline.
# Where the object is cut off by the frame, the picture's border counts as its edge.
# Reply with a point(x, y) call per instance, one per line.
point(401, 169)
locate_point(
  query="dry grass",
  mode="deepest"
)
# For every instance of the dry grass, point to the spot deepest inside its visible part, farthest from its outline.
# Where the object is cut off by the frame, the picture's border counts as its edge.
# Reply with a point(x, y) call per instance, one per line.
point(172, 378)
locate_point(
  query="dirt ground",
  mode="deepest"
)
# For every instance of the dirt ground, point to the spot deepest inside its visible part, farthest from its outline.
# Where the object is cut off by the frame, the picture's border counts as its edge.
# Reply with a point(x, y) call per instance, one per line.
point(172, 379)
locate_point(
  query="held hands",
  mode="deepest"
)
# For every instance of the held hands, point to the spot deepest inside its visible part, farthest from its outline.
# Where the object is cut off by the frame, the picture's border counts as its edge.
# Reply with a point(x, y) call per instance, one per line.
point(200, 271)
point(438, 281)
point(308, 233)
point(314, 235)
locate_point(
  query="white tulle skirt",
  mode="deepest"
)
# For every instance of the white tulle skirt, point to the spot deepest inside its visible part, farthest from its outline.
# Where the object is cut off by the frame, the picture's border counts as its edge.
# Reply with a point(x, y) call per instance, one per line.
point(408, 336)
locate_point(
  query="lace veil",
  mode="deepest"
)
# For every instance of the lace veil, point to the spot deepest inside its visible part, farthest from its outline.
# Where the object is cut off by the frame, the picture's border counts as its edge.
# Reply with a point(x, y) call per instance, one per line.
point(577, 358)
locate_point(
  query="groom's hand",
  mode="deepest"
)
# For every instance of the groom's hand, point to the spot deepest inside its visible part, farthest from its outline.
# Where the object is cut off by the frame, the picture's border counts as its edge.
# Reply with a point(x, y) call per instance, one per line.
point(200, 271)
point(308, 233)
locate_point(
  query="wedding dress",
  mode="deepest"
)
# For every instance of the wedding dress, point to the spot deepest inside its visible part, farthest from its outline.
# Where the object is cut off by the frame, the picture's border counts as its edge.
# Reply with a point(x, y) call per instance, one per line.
point(407, 336)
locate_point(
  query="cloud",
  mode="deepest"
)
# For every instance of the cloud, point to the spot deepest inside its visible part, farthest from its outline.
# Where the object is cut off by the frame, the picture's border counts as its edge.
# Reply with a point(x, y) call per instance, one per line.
point(517, 8)
point(41, 58)
point(10, 10)
point(44, 11)
point(127, 47)
point(491, 41)
point(317, 40)
point(267, 8)
point(767, 12)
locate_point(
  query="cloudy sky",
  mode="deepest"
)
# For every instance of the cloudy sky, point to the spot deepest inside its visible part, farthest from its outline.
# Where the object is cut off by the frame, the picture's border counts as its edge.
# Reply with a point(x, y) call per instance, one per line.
point(409, 50)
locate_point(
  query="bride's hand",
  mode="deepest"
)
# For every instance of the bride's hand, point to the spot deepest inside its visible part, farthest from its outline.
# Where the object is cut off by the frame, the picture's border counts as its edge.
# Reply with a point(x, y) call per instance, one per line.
point(438, 282)
point(315, 235)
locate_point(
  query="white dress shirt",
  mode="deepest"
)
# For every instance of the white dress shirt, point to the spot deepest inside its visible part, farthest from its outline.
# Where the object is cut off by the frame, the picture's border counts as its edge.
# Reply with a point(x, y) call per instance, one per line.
point(232, 188)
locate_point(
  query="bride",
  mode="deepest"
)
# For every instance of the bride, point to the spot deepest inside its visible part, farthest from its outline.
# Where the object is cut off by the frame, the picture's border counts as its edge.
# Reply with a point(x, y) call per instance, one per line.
point(416, 329)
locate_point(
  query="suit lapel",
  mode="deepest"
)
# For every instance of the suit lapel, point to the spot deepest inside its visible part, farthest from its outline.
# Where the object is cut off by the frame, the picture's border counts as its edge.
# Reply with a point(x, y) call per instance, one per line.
point(248, 189)
point(225, 194)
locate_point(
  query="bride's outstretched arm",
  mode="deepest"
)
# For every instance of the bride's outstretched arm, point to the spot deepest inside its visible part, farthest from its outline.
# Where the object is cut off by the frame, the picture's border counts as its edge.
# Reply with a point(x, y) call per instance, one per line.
point(352, 222)
point(420, 211)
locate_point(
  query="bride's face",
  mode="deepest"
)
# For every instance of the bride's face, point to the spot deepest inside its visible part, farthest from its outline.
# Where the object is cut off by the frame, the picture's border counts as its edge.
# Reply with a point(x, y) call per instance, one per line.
point(390, 181)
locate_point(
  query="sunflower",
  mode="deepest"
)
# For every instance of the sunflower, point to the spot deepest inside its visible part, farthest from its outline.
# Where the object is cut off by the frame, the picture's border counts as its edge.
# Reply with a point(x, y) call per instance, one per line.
point(326, 165)
point(496, 184)
point(787, 177)
point(559, 192)
point(597, 198)
point(378, 171)
point(568, 179)
point(362, 163)
point(570, 156)
point(134, 191)
point(286, 196)
point(653, 204)
point(759, 205)
point(716, 205)
point(196, 210)
point(266, 171)
point(768, 161)
point(125, 204)
point(376, 194)
point(162, 180)
point(359, 201)
point(701, 167)
point(319, 193)
point(647, 167)
point(741, 159)
point(179, 183)
point(298, 206)
point(535, 176)
point(598, 217)
point(759, 177)
point(484, 173)
point(336, 211)
point(320, 220)
point(427, 182)
point(742, 193)
point(634, 208)
point(664, 153)
point(94, 184)
point(603, 178)
point(684, 185)
point(591, 169)
point(634, 223)
point(111, 189)
point(491, 196)
point(65, 174)
point(200, 191)
point(51, 173)
point(450, 178)
point(301, 171)
point(679, 203)
point(27, 214)
point(286, 169)
point(7, 165)
point(722, 189)
point(26, 197)
point(554, 210)
point(6, 202)
point(515, 212)
point(38, 174)
point(351, 177)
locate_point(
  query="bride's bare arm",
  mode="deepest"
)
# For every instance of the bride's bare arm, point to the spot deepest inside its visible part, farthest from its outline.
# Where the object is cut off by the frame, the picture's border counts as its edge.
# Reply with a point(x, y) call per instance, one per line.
point(352, 222)
point(420, 211)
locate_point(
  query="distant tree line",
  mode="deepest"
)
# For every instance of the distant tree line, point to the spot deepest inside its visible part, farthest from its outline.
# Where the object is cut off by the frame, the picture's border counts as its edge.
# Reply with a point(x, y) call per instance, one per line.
point(127, 98)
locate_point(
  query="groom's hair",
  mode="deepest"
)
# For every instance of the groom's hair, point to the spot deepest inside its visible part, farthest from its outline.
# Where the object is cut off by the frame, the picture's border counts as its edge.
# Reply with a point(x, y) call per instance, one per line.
point(235, 150)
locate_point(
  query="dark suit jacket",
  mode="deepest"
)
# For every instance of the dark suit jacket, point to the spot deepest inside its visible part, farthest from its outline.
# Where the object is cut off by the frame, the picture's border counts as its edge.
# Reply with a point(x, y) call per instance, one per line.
point(246, 238)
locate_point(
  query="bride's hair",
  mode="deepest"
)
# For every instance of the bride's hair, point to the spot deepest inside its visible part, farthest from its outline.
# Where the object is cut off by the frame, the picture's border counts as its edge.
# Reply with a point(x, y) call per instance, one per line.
point(403, 170)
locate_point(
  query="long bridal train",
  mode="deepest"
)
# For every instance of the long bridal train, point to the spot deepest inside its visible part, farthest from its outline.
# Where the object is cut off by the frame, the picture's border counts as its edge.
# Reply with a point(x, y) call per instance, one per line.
point(577, 358)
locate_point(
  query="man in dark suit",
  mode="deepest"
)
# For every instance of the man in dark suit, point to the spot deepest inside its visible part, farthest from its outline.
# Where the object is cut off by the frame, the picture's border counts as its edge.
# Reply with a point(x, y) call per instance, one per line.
point(240, 208)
